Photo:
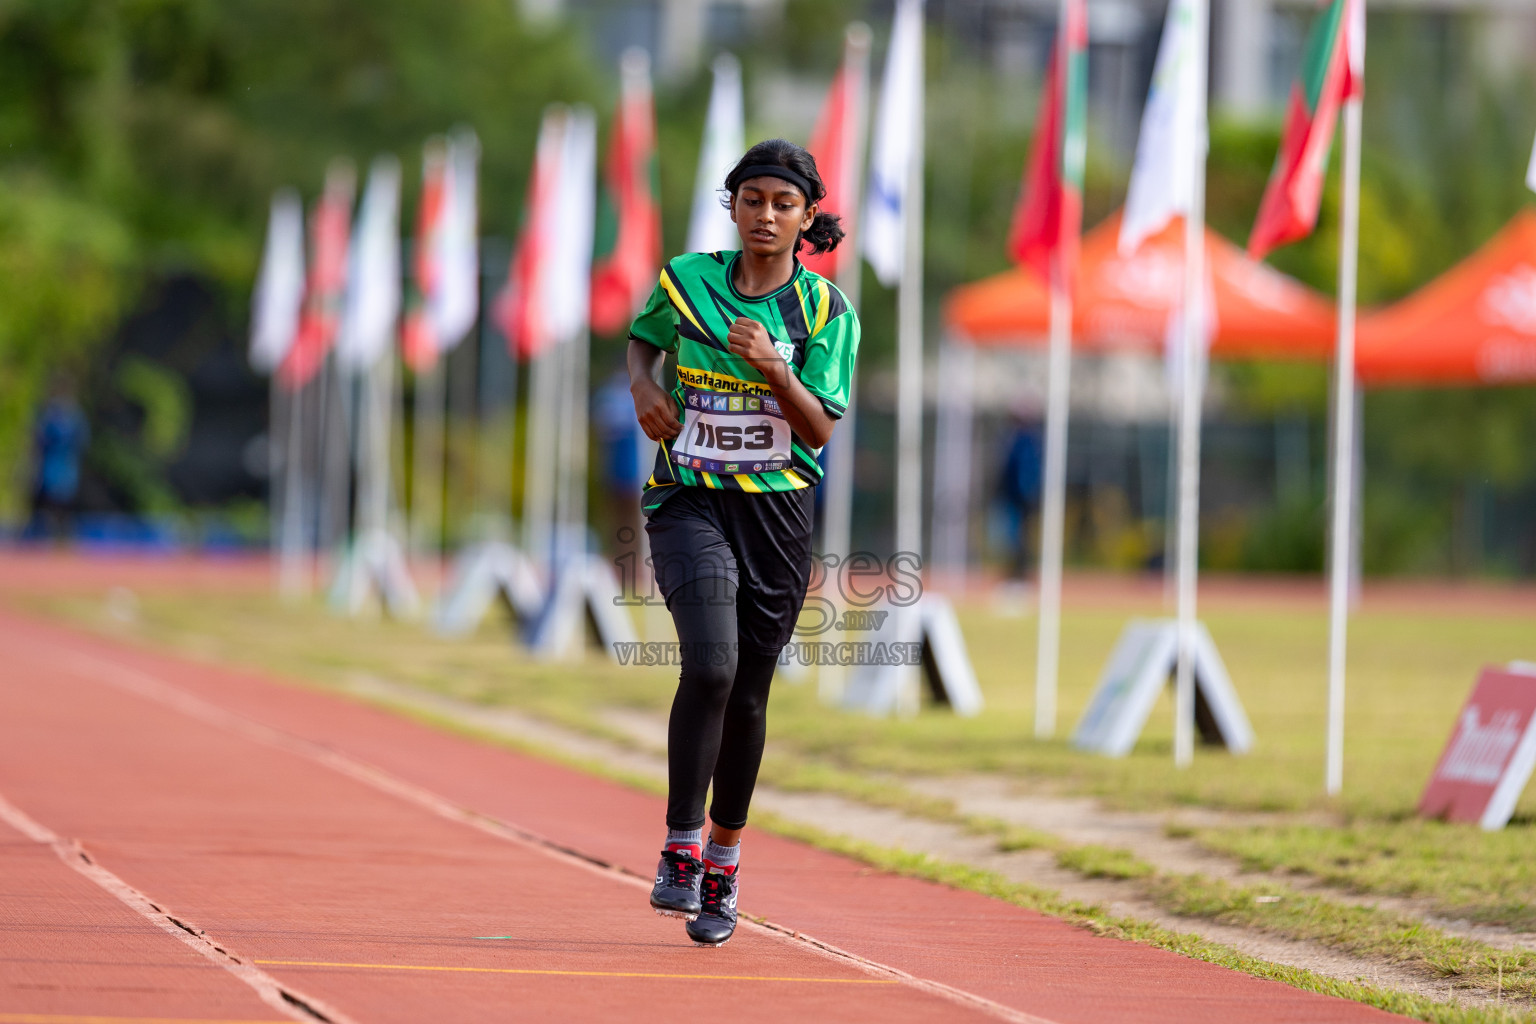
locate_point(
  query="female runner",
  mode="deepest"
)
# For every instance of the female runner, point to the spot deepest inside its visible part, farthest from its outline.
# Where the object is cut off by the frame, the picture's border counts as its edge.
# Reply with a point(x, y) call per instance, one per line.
point(765, 352)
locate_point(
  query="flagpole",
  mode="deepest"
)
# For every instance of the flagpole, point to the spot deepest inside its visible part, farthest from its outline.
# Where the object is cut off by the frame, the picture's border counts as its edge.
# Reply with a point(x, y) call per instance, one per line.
point(1190, 398)
point(909, 348)
point(837, 536)
point(1343, 444)
point(293, 574)
point(1053, 498)
point(427, 438)
point(1053, 501)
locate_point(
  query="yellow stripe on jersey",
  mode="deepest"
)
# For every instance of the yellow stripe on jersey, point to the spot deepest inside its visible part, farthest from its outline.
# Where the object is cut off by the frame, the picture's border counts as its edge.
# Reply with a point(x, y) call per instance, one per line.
point(678, 303)
point(790, 475)
point(709, 480)
point(804, 311)
point(746, 483)
point(823, 304)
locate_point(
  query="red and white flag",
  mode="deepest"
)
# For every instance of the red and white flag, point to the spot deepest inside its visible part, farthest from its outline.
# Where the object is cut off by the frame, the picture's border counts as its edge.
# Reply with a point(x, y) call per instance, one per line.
point(330, 226)
point(1332, 71)
point(835, 143)
point(446, 262)
point(279, 294)
point(631, 217)
point(1048, 221)
point(546, 300)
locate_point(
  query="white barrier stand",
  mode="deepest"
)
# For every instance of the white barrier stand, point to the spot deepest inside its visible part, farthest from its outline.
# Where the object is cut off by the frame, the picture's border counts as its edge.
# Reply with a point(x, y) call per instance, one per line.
point(894, 685)
point(585, 590)
point(374, 565)
point(1140, 666)
point(481, 576)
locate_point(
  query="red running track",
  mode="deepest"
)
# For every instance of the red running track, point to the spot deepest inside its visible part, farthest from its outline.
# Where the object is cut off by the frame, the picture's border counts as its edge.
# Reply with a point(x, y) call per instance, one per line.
point(342, 863)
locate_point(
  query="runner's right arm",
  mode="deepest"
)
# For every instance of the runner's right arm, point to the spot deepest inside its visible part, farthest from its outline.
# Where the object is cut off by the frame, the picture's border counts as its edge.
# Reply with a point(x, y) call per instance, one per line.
point(654, 408)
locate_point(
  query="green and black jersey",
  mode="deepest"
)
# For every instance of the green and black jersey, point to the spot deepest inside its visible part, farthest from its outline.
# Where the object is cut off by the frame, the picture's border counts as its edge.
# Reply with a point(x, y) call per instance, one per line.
point(734, 435)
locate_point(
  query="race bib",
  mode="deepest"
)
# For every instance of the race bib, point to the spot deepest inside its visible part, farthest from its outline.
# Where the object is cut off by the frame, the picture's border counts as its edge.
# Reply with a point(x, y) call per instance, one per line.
point(726, 433)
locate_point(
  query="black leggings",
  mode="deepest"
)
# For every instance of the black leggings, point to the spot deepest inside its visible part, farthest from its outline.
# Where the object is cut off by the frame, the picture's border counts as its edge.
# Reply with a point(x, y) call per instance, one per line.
point(720, 713)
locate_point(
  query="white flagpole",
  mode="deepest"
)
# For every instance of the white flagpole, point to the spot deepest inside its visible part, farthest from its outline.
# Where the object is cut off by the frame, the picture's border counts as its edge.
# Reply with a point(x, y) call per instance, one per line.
point(837, 537)
point(1053, 498)
point(909, 344)
point(427, 457)
point(293, 565)
point(909, 357)
point(1190, 397)
point(1343, 446)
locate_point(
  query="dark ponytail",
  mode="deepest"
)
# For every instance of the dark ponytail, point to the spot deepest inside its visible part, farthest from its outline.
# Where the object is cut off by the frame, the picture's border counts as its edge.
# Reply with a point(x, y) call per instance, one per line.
point(826, 228)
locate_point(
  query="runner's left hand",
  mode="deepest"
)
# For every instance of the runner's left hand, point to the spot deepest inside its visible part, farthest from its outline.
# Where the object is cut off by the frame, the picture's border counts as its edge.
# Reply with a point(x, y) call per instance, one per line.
point(749, 339)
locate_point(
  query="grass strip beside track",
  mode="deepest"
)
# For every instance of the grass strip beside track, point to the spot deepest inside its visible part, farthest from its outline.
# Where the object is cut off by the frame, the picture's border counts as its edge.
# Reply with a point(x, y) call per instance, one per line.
point(1486, 877)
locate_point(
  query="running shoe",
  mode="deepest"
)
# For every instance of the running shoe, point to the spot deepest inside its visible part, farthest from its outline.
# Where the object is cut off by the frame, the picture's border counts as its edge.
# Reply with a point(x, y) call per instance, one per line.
point(676, 893)
point(717, 906)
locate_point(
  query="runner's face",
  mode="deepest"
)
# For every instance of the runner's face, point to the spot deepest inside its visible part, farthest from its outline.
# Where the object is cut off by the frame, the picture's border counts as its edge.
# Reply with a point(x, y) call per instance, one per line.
point(770, 213)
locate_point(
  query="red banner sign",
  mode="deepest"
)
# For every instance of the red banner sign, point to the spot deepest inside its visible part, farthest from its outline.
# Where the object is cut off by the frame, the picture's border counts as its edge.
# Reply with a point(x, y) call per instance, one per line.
point(1491, 752)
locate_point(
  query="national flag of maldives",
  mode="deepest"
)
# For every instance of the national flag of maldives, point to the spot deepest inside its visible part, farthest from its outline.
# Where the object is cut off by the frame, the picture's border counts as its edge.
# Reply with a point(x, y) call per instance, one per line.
point(835, 145)
point(1049, 217)
point(520, 311)
point(330, 228)
point(417, 340)
point(627, 270)
point(1331, 72)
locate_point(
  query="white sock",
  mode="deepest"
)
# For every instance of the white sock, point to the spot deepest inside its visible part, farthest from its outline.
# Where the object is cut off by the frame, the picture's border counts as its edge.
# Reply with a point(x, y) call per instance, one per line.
point(722, 856)
point(677, 839)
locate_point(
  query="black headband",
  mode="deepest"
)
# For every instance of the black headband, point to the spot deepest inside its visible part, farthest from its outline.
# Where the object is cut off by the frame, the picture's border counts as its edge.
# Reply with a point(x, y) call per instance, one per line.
point(781, 172)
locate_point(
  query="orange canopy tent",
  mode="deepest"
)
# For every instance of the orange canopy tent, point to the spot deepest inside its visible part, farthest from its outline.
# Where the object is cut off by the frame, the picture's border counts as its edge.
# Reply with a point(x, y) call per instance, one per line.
point(1475, 324)
point(1125, 301)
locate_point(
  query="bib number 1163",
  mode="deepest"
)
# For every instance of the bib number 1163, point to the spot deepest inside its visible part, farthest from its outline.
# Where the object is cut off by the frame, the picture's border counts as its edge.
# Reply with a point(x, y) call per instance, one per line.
point(722, 437)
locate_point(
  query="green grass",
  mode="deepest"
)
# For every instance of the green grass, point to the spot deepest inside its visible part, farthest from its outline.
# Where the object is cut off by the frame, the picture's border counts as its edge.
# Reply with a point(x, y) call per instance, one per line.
point(1461, 871)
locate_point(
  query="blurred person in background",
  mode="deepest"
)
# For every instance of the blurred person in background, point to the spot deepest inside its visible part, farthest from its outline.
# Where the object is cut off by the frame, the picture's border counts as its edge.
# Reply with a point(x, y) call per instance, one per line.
point(1018, 485)
point(622, 445)
point(59, 440)
point(765, 355)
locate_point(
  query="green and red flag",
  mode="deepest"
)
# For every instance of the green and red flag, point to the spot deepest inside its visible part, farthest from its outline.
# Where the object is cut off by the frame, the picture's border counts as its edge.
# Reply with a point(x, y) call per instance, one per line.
point(834, 144)
point(629, 221)
point(1331, 72)
point(418, 341)
point(330, 235)
point(1048, 220)
point(522, 308)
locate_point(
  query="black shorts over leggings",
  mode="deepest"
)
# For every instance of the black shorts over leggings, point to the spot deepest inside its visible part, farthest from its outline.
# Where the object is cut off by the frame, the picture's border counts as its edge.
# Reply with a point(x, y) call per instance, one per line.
point(733, 568)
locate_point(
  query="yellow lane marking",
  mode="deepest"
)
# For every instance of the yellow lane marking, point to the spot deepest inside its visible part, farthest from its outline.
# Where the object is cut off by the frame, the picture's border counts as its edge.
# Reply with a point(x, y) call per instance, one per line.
point(578, 974)
point(54, 1018)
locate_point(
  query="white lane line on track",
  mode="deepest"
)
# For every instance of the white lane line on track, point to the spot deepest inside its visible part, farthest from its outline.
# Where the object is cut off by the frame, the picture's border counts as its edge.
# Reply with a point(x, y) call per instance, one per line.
point(149, 687)
point(288, 1001)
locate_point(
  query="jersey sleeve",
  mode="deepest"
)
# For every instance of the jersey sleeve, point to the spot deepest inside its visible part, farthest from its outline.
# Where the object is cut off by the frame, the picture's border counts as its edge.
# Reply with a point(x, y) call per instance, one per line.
point(829, 358)
point(657, 323)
